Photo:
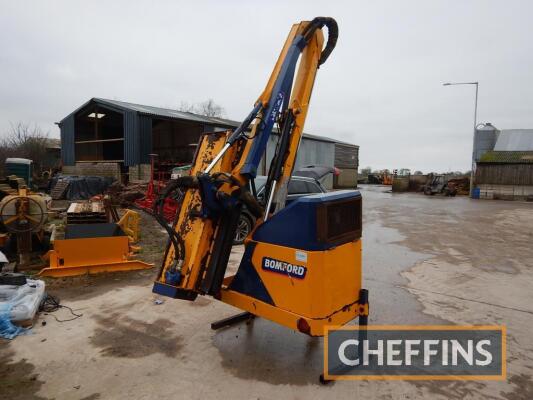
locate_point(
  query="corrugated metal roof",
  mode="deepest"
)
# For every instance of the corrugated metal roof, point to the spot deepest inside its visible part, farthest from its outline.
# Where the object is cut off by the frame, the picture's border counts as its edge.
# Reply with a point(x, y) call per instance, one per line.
point(327, 139)
point(515, 140)
point(507, 157)
point(188, 116)
point(184, 116)
point(155, 111)
point(166, 112)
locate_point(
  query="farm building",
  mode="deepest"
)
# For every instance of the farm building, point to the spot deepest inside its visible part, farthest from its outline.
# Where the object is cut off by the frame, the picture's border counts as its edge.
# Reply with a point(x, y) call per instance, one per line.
point(115, 138)
point(504, 163)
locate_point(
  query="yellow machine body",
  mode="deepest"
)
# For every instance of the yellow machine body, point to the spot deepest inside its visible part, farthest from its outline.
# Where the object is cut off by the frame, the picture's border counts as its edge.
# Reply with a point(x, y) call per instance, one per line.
point(332, 278)
point(329, 292)
point(326, 296)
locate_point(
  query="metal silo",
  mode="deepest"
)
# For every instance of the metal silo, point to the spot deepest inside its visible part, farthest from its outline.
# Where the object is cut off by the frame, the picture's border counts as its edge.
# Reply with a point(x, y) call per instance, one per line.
point(484, 139)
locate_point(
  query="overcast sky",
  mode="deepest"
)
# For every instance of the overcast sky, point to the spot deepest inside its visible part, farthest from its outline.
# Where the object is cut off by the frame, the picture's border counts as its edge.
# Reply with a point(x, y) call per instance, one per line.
point(381, 88)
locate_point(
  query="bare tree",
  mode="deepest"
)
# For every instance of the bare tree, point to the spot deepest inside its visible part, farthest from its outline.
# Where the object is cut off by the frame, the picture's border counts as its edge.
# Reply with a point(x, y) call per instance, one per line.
point(209, 108)
point(24, 141)
point(185, 106)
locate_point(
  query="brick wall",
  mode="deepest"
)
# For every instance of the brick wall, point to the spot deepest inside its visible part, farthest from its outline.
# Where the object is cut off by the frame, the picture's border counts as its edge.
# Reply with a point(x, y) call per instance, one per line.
point(93, 169)
point(139, 172)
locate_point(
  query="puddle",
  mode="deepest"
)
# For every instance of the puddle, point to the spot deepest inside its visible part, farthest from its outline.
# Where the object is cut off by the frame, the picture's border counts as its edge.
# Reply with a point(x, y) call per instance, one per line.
point(127, 337)
point(18, 380)
point(266, 352)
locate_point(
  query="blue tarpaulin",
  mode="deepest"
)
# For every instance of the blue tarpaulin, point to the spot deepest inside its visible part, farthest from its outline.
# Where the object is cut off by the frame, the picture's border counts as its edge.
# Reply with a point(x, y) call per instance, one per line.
point(83, 187)
point(7, 329)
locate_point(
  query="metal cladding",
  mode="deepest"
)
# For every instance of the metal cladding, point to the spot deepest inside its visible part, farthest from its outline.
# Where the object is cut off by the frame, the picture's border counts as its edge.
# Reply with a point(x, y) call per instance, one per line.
point(138, 128)
point(67, 140)
point(131, 138)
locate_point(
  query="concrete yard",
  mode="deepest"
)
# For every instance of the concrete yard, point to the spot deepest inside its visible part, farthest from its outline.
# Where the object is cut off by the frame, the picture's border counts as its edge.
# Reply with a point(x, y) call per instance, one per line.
point(427, 260)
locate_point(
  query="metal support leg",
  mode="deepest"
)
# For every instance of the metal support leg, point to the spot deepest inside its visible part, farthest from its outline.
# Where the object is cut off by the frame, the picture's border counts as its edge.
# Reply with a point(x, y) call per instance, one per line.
point(363, 322)
point(235, 319)
point(363, 335)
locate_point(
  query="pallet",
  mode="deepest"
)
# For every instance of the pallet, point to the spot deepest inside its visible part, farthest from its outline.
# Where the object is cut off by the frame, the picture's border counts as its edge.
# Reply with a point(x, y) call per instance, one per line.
point(87, 213)
point(59, 190)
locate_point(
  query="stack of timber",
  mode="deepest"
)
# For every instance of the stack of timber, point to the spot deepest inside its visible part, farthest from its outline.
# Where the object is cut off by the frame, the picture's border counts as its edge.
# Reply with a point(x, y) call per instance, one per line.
point(87, 213)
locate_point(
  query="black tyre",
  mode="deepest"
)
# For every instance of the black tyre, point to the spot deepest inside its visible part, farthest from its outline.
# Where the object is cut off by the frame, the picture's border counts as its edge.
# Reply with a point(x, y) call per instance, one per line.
point(244, 226)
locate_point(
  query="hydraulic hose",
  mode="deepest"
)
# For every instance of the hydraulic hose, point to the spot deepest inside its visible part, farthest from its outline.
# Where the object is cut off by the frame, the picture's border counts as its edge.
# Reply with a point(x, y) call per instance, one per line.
point(184, 182)
point(333, 34)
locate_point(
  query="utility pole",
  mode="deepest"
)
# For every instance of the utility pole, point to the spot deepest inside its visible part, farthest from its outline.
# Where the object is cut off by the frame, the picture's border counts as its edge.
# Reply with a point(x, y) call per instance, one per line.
point(473, 166)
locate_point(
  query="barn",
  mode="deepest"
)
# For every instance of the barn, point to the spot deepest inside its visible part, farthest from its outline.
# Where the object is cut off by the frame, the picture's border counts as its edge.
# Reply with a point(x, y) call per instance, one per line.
point(504, 163)
point(115, 138)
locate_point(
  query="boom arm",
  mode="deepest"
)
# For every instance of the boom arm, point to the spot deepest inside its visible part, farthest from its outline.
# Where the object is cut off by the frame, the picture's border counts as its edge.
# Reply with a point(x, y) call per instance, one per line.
point(217, 188)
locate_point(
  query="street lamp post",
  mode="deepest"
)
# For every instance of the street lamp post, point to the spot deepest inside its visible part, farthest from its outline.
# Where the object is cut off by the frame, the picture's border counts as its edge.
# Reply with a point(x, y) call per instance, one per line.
point(473, 166)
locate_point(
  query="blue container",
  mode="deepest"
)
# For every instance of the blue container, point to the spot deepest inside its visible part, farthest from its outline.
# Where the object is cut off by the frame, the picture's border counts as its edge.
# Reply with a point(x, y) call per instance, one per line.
point(21, 167)
point(475, 193)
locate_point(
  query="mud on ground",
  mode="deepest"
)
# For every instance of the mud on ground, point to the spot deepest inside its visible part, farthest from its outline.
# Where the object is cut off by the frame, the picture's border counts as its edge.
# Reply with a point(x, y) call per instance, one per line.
point(426, 260)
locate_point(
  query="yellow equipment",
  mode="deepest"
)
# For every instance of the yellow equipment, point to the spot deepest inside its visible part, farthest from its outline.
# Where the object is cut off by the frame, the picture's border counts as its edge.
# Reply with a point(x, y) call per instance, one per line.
point(130, 225)
point(302, 263)
point(23, 215)
point(72, 257)
point(387, 179)
point(96, 248)
point(23, 212)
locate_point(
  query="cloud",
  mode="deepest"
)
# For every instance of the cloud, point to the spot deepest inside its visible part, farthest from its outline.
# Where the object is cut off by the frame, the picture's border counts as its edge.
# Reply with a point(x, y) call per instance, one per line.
point(381, 88)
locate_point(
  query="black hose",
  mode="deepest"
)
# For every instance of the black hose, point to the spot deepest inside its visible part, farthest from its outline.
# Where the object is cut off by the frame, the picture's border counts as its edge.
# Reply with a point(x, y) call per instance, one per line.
point(184, 182)
point(333, 34)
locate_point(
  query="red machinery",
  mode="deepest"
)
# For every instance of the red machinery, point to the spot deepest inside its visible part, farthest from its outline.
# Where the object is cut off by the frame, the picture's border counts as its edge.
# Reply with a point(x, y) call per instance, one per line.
point(155, 188)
